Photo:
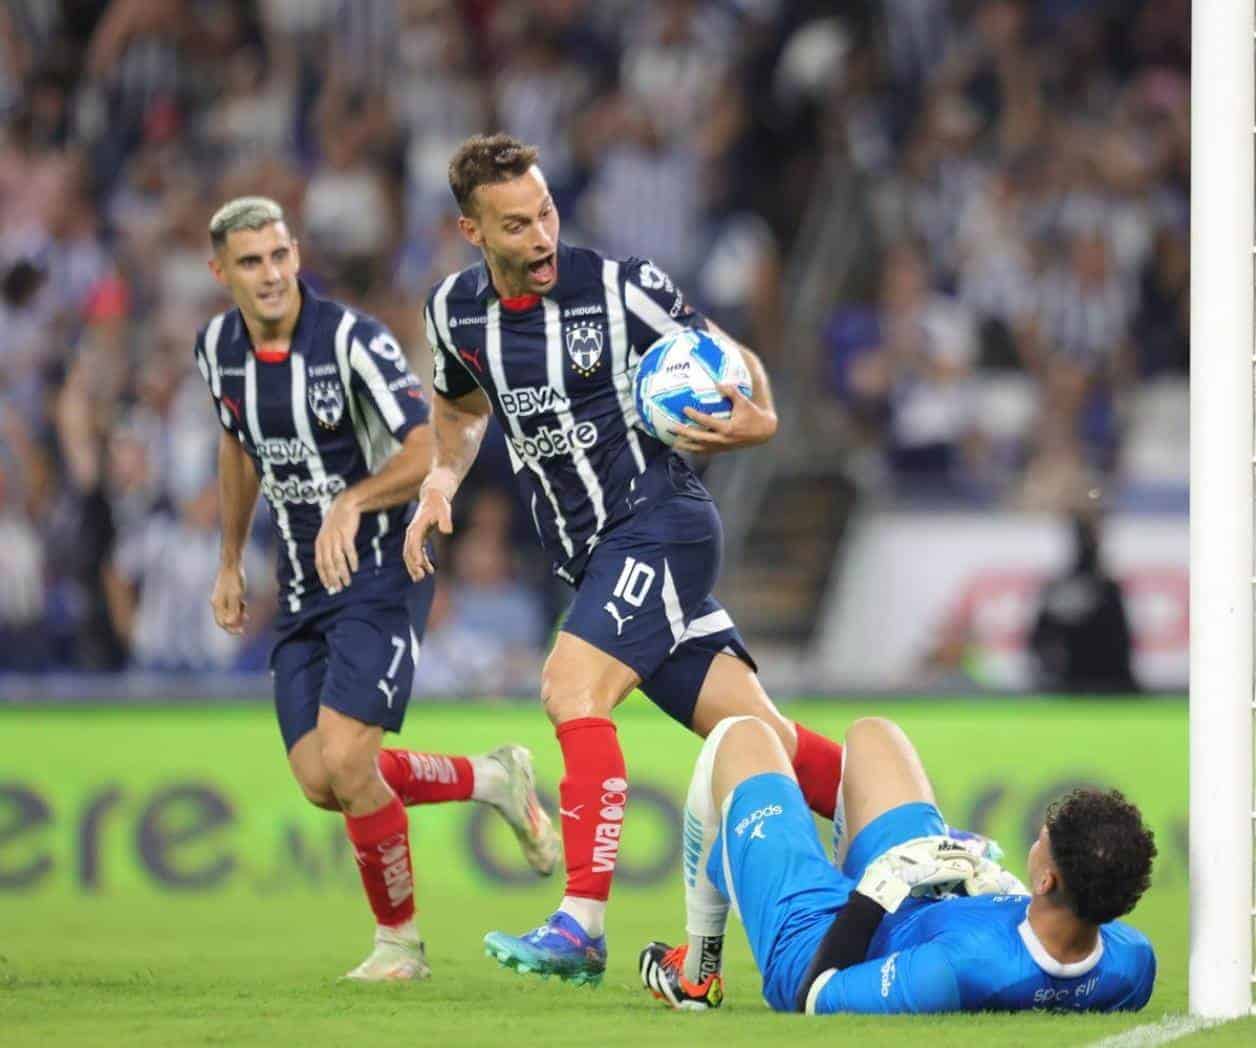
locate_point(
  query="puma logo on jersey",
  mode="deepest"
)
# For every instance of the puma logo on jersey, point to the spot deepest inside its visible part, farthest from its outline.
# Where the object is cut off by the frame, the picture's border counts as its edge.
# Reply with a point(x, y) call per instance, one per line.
point(620, 622)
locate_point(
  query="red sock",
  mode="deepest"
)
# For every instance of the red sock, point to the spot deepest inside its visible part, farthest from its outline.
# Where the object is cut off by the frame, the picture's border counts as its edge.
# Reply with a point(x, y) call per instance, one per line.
point(426, 778)
point(381, 842)
point(591, 800)
point(818, 765)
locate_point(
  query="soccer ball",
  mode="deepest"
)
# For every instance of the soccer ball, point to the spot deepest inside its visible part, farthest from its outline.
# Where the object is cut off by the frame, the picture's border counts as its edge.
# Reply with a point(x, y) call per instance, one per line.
point(681, 370)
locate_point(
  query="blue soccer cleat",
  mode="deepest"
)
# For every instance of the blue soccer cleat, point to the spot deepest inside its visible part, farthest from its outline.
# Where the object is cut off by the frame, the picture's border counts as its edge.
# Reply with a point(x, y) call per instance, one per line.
point(558, 947)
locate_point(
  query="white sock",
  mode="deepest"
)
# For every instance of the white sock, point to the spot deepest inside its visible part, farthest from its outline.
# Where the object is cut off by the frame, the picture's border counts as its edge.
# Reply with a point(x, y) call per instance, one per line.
point(490, 779)
point(590, 914)
point(706, 910)
point(406, 934)
point(704, 957)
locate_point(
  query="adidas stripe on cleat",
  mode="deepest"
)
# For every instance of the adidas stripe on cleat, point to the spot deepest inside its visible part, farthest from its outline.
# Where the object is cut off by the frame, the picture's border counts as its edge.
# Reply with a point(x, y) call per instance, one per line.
point(662, 969)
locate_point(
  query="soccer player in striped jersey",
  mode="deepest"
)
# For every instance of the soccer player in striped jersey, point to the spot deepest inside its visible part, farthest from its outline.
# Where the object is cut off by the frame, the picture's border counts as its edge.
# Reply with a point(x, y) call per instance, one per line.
point(547, 336)
point(321, 414)
point(858, 934)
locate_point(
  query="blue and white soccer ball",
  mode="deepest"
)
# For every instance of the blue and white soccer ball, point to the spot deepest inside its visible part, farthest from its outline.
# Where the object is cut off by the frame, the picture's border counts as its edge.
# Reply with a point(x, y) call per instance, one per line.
point(681, 370)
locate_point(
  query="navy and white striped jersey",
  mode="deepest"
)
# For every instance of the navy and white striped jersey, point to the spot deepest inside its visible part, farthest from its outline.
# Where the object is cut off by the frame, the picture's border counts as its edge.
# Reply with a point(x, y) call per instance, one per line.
point(558, 370)
point(315, 422)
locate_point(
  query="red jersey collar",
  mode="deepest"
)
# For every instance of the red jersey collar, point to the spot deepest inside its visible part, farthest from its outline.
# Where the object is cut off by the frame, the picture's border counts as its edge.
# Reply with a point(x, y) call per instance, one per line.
point(271, 353)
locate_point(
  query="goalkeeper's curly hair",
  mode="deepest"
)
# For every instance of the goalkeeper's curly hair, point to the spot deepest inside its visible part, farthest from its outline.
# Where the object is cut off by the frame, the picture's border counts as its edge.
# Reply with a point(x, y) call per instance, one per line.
point(1103, 851)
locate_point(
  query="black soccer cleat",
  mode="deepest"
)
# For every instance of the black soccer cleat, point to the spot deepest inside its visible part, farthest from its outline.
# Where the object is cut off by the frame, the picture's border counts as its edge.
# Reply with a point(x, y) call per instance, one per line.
point(662, 970)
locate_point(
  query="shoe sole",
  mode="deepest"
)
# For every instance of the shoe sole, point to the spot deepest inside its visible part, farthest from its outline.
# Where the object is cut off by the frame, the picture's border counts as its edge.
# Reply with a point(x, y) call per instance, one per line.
point(423, 975)
point(534, 966)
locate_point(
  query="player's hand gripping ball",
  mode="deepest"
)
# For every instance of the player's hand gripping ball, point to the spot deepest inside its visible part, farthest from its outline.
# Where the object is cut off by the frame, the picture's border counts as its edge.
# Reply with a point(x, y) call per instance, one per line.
point(683, 370)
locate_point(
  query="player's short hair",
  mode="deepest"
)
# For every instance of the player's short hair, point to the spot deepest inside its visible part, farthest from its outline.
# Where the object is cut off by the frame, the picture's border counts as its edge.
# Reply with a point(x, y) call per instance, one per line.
point(1103, 851)
point(249, 212)
point(484, 160)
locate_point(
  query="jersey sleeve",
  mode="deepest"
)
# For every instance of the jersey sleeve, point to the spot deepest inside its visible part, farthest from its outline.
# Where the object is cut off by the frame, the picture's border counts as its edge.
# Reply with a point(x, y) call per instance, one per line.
point(653, 305)
point(916, 980)
point(212, 380)
point(382, 378)
point(449, 374)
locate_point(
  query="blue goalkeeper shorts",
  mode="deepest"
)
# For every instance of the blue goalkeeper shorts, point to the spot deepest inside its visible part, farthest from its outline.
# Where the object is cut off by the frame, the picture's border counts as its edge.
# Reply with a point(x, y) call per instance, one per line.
point(769, 863)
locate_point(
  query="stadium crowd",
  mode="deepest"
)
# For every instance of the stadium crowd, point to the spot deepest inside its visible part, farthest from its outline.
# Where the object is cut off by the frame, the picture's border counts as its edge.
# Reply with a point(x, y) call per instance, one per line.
point(1029, 187)
point(1024, 166)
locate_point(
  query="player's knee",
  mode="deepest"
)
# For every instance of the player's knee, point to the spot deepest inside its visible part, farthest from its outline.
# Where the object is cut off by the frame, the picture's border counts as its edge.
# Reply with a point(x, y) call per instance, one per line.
point(565, 697)
point(741, 734)
point(315, 785)
point(716, 736)
point(320, 795)
point(873, 731)
point(350, 766)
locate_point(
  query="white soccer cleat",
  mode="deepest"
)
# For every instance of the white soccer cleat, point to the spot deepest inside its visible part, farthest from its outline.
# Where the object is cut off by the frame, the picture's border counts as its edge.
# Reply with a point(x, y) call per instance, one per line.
point(394, 959)
point(521, 808)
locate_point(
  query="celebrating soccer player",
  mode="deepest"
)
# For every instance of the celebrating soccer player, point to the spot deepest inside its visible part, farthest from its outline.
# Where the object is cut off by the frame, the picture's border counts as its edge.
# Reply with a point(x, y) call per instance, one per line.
point(321, 413)
point(903, 919)
point(547, 336)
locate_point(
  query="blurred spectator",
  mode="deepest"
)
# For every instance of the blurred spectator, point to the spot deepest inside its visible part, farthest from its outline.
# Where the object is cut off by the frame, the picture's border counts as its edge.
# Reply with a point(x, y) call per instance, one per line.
point(1162, 326)
point(456, 661)
point(1081, 636)
point(255, 115)
point(159, 583)
point(23, 645)
point(1038, 153)
point(488, 597)
point(904, 364)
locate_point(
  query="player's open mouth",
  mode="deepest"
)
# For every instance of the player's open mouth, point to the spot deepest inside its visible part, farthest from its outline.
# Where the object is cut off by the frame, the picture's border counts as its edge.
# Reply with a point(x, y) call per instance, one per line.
point(544, 270)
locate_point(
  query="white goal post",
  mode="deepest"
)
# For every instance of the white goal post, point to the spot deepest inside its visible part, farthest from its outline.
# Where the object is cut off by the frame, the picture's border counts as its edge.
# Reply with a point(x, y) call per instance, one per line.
point(1223, 575)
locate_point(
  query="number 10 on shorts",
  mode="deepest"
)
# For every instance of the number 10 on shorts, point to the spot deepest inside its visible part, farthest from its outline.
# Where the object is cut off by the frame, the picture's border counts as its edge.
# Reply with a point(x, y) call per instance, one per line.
point(634, 582)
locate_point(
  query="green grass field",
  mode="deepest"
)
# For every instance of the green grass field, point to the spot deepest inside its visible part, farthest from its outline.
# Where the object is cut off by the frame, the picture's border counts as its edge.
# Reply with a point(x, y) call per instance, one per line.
point(98, 949)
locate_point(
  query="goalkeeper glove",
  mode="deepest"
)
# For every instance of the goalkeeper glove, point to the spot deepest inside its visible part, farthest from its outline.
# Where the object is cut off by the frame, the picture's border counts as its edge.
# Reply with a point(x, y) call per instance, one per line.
point(923, 866)
point(989, 878)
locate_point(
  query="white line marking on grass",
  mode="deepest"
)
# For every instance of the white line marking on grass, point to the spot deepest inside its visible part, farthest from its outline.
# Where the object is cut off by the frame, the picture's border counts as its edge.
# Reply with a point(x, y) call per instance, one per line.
point(1170, 1028)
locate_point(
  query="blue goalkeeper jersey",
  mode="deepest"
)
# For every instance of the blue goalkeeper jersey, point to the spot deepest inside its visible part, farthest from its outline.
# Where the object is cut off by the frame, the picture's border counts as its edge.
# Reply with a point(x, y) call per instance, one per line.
point(315, 421)
point(558, 371)
point(980, 954)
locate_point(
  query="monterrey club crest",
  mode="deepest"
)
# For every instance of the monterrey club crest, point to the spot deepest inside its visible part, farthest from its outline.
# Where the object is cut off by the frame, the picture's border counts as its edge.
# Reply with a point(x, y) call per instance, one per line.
point(584, 346)
point(328, 403)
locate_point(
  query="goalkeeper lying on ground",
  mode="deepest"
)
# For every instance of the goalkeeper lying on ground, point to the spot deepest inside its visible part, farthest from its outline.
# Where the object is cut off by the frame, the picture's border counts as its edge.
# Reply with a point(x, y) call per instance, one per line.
point(911, 921)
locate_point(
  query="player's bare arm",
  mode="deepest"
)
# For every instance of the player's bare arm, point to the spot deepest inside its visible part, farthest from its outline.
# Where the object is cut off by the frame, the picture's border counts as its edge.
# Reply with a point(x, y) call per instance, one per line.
point(458, 425)
point(237, 498)
point(753, 420)
point(335, 549)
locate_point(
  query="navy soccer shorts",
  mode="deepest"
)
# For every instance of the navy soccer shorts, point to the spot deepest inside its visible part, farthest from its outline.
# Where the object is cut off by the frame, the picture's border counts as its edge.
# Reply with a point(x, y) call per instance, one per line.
point(769, 863)
point(356, 657)
point(645, 599)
